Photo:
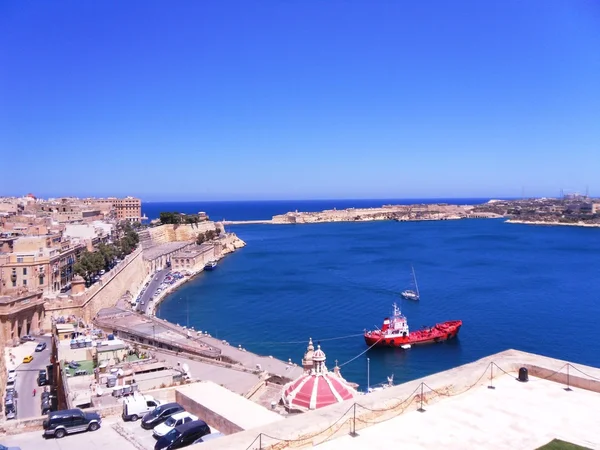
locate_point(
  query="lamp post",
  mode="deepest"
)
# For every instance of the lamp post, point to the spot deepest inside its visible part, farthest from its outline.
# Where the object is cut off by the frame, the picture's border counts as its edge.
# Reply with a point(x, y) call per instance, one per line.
point(368, 374)
point(153, 335)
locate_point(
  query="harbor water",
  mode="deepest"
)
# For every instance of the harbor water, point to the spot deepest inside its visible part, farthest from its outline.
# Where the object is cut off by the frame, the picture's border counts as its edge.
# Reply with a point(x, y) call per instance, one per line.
point(531, 288)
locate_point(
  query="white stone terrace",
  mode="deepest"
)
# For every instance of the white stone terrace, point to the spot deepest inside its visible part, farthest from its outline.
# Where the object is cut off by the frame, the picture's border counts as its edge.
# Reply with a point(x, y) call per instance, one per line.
point(460, 411)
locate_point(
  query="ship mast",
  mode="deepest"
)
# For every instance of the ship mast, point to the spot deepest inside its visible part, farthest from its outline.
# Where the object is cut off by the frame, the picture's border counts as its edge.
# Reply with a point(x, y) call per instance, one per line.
point(415, 280)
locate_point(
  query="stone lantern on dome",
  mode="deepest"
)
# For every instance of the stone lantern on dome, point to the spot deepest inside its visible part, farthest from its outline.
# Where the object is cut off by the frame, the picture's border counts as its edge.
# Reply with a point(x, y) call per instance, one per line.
point(316, 387)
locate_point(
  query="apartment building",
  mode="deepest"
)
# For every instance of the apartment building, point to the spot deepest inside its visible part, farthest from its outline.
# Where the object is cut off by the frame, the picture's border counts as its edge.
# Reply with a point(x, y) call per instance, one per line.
point(128, 208)
point(42, 263)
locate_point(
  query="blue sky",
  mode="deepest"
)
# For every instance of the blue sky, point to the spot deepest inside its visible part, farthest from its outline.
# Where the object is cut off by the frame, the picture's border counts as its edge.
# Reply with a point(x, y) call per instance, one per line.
point(199, 100)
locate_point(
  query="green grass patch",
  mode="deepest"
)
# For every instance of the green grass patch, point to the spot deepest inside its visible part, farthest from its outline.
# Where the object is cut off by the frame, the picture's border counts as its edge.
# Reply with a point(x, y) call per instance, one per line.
point(88, 366)
point(557, 444)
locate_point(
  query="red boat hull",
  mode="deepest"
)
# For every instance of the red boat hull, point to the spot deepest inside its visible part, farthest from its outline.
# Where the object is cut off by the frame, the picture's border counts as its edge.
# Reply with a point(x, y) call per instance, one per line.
point(438, 333)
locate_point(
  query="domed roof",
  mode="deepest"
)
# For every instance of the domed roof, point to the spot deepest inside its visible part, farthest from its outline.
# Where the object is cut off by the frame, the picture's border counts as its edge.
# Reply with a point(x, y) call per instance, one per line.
point(319, 355)
point(317, 388)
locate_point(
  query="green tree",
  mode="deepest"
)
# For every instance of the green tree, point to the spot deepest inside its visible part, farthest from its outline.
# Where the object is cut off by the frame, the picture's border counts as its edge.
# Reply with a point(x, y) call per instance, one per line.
point(200, 239)
point(88, 265)
point(210, 235)
point(170, 218)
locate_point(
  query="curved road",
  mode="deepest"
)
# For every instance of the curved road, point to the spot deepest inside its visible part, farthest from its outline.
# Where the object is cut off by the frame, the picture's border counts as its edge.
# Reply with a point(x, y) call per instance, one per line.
point(144, 302)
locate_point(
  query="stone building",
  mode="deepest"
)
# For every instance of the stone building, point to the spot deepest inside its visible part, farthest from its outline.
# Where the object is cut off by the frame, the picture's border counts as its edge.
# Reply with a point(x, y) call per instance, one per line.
point(316, 387)
point(21, 313)
point(193, 258)
point(38, 262)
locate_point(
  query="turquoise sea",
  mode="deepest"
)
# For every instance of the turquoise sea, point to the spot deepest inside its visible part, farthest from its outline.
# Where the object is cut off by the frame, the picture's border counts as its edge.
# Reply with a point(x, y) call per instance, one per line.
point(531, 288)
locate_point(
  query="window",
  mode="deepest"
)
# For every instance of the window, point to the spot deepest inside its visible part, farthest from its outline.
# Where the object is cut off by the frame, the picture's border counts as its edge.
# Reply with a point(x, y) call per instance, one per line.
point(24, 282)
point(19, 259)
point(24, 270)
point(14, 283)
point(41, 279)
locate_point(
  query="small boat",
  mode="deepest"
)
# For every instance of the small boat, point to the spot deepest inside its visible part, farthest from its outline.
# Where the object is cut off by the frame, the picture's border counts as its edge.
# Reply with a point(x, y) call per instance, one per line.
point(211, 265)
point(395, 333)
point(409, 294)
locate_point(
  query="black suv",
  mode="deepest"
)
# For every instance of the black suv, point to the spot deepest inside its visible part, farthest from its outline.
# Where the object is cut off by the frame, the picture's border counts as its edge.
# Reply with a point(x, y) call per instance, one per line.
point(68, 421)
point(183, 435)
point(159, 414)
point(42, 378)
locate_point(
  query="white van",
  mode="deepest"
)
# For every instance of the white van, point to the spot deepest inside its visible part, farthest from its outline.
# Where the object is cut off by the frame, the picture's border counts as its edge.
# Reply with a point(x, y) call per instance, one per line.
point(137, 406)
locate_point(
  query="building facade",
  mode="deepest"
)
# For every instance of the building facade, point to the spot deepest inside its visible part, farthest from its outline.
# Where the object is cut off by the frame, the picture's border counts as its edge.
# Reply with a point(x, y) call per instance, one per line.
point(39, 263)
point(193, 259)
point(20, 314)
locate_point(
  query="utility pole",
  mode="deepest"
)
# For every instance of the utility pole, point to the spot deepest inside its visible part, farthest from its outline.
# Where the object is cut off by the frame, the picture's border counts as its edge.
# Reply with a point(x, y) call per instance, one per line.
point(368, 374)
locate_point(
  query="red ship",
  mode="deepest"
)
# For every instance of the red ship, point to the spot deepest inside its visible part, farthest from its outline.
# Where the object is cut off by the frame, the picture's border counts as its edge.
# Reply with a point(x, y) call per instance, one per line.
point(395, 333)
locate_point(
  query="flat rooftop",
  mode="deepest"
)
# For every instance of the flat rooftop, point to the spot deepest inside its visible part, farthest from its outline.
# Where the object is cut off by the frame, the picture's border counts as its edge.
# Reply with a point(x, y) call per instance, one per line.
point(560, 401)
point(511, 417)
point(235, 408)
point(164, 249)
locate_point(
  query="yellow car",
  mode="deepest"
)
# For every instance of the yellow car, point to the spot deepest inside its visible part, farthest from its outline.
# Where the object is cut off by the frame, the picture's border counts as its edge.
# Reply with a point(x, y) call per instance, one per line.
point(28, 359)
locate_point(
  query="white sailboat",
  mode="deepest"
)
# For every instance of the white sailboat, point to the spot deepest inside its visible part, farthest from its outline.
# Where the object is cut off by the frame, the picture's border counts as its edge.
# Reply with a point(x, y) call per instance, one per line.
point(410, 294)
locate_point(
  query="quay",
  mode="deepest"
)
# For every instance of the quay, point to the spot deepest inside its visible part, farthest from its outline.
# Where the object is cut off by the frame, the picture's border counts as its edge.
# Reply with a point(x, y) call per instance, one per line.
point(246, 222)
point(161, 334)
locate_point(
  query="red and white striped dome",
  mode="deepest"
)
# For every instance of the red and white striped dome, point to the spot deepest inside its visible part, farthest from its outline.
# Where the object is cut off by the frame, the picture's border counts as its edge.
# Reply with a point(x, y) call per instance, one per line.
point(317, 387)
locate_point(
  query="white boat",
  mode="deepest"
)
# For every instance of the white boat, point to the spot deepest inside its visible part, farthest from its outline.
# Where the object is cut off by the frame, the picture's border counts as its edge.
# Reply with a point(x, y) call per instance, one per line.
point(410, 294)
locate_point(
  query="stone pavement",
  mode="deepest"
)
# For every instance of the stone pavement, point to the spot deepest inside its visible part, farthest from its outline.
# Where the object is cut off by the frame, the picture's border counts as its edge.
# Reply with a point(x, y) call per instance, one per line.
point(514, 416)
point(105, 437)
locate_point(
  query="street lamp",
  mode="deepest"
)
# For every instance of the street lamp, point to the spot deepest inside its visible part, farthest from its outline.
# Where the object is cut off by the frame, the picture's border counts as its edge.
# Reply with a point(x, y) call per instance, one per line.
point(153, 335)
point(368, 374)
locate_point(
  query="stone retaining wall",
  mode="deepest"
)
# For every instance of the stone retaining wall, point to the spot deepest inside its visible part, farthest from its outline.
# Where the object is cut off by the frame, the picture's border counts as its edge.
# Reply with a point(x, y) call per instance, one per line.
point(127, 276)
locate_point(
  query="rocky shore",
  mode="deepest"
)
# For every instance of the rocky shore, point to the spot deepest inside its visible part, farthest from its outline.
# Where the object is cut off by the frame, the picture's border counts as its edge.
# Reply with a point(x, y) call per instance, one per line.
point(401, 213)
point(554, 223)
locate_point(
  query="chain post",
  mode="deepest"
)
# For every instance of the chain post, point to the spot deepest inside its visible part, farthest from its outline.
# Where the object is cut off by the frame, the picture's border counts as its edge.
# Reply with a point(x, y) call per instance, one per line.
point(421, 407)
point(353, 433)
point(260, 441)
point(491, 385)
point(568, 388)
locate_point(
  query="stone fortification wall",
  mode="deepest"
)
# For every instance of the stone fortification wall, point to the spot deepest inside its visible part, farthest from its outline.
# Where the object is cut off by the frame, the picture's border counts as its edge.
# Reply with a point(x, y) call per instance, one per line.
point(314, 427)
point(386, 212)
point(174, 233)
point(127, 276)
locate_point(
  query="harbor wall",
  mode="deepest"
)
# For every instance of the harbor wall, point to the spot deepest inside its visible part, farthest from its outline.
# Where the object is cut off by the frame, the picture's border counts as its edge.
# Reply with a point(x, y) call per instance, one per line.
point(128, 276)
point(174, 233)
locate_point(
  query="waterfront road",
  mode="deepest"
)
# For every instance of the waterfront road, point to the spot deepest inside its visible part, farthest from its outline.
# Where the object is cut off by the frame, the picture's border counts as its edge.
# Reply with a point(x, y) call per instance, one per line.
point(27, 373)
point(144, 303)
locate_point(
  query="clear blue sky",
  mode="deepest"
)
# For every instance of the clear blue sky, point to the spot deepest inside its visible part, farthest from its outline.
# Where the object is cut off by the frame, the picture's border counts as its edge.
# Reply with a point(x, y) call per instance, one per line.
point(210, 100)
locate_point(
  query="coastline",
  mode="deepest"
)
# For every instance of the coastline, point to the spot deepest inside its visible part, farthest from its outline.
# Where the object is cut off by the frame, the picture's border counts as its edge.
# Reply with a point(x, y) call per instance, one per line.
point(231, 244)
point(539, 222)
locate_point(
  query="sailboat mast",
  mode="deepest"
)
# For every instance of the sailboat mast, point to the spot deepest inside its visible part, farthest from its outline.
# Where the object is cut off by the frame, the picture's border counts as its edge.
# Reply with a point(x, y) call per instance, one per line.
point(415, 280)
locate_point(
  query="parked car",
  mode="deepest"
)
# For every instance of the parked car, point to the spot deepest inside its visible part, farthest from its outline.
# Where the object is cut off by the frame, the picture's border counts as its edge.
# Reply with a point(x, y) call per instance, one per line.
point(138, 406)
point(4, 447)
point(27, 338)
point(12, 375)
point(183, 435)
point(174, 421)
point(10, 408)
point(40, 347)
point(208, 437)
point(42, 378)
point(28, 359)
point(68, 421)
point(160, 414)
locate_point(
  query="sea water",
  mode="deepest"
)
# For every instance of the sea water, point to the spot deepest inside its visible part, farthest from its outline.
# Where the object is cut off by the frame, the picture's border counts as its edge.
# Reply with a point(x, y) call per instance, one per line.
point(531, 288)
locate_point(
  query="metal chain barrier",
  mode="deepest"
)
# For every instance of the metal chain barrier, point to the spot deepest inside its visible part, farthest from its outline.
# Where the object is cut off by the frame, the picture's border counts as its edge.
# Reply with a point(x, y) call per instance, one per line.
point(402, 406)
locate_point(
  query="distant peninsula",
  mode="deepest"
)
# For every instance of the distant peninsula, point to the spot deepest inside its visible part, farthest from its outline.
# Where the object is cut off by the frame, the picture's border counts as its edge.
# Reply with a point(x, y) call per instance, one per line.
point(574, 210)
